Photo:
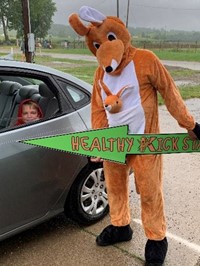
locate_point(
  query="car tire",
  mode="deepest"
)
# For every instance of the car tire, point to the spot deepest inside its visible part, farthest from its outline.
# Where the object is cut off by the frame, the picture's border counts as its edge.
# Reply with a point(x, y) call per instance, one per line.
point(87, 201)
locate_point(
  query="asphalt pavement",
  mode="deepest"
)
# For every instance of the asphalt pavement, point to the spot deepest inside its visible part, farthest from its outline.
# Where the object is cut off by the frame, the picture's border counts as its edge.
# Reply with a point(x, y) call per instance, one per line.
point(61, 242)
point(91, 58)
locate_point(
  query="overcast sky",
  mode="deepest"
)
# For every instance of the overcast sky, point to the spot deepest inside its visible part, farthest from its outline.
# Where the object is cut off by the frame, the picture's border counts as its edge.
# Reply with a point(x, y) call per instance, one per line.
point(166, 14)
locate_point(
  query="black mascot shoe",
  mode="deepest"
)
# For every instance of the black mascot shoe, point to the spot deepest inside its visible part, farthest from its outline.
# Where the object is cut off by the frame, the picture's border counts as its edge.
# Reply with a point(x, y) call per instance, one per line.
point(196, 130)
point(155, 252)
point(114, 234)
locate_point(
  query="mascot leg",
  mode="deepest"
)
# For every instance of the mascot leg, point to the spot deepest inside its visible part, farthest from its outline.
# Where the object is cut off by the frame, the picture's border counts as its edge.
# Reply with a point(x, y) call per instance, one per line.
point(148, 174)
point(117, 179)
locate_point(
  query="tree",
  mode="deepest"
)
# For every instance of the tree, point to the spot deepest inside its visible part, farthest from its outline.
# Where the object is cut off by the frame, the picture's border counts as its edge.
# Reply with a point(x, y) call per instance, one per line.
point(41, 17)
point(4, 10)
point(41, 13)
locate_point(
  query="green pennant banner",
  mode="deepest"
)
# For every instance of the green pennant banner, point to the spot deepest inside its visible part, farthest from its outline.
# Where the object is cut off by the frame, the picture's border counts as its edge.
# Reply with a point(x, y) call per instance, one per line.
point(115, 143)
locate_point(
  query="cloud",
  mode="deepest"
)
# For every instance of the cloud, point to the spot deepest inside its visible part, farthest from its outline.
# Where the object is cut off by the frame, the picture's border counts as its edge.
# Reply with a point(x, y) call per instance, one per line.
point(168, 14)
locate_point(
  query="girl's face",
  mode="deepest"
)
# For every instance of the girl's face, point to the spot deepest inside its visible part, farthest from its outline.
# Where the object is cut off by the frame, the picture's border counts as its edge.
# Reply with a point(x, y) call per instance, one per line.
point(29, 113)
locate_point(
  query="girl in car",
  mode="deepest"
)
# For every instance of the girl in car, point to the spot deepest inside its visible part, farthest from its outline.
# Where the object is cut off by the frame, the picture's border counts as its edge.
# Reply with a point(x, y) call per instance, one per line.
point(28, 111)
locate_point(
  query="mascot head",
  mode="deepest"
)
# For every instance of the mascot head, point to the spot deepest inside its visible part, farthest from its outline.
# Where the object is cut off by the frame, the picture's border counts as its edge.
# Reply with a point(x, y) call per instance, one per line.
point(106, 37)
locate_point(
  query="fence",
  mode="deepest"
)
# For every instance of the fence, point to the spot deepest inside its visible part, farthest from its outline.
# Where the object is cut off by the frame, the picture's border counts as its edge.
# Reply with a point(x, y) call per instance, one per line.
point(159, 45)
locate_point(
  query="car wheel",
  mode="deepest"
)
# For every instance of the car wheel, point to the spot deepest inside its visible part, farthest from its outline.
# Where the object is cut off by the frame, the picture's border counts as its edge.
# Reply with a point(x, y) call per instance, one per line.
point(87, 201)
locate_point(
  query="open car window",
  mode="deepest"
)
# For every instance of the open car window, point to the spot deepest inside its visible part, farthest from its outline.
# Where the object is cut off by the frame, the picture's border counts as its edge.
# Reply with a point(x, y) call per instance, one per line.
point(16, 89)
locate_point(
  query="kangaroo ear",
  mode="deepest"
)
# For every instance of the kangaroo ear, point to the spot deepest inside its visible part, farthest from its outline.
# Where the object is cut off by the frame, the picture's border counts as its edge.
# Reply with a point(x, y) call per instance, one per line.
point(105, 88)
point(122, 90)
point(91, 15)
point(77, 25)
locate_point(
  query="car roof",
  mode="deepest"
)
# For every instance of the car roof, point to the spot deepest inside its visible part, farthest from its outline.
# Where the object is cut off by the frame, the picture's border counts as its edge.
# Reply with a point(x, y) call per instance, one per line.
point(44, 69)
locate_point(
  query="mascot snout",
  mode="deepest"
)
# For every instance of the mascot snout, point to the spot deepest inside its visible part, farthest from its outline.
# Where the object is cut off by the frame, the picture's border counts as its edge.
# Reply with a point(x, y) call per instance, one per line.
point(114, 51)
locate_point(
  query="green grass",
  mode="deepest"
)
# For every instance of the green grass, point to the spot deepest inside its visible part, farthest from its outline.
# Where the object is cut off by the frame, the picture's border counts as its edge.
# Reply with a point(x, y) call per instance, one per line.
point(181, 55)
point(85, 70)
point(187, 92)
point(84, 73)
point(183, 72)
point(67, 51)
point(167, 54)
point(79, 68)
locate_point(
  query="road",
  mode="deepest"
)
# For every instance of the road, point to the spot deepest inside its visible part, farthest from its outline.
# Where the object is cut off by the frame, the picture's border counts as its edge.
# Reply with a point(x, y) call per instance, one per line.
point(184, 64)
point(60, 242)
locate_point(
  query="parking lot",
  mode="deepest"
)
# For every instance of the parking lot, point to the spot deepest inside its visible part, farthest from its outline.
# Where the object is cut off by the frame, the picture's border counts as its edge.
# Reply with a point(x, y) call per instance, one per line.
point(60, 242)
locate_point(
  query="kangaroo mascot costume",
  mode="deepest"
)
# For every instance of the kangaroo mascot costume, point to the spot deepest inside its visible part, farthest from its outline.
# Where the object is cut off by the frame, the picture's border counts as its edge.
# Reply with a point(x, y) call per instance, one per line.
point(134, 76)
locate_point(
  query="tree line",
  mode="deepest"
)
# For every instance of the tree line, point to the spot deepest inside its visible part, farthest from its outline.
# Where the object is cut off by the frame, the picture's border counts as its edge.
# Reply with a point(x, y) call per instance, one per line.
point(147, 34)
point(41, 13)
point(166, 35)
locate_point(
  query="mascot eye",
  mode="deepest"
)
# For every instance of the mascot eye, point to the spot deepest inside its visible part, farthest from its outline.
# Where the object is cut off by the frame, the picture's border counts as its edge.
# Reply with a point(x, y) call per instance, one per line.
point(96, 45)
point(111, 36)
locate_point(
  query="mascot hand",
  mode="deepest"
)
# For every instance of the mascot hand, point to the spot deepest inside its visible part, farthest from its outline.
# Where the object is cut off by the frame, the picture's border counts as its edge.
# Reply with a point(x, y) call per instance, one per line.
point(96, 159)
point(195, 133)
point(196, 130)
point(95, 163)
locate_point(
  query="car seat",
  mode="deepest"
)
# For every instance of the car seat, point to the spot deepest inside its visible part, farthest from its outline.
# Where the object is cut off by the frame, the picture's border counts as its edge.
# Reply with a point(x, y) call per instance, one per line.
point(48, 102)
point(8, 92)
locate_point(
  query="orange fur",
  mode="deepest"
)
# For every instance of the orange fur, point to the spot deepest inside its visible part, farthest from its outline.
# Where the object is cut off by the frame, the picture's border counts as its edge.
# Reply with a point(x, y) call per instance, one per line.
point(110, 42)
point(77, 25)
point(112, 103)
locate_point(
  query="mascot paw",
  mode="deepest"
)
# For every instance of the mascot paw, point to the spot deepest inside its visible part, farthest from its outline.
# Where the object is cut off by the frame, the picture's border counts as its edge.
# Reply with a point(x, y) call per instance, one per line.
point(155, 252)
point(196, 130)
point(114, 234)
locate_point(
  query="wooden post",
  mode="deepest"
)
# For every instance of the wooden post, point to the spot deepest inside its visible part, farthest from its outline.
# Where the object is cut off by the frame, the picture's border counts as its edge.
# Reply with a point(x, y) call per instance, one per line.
point(27, 28)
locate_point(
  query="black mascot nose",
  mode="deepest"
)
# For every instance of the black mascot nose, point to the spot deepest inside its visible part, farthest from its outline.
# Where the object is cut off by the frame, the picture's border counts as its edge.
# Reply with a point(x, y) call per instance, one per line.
point(109, 69)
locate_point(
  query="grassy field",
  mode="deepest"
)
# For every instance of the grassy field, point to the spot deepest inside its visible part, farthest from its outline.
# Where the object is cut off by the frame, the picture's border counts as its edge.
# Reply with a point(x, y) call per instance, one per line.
point(187, 92)
point(85, 70)
point(180, 55)
point(165, 54)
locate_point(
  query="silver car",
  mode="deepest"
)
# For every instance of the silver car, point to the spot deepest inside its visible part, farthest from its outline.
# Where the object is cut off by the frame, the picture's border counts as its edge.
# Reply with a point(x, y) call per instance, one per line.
point(37, 183)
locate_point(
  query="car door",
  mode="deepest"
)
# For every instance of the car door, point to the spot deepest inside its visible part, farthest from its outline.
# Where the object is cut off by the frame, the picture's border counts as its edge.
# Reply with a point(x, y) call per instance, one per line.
point(33, 179)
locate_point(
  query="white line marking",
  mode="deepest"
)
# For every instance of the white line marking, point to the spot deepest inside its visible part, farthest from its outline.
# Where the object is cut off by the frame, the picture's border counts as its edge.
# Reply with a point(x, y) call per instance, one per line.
point(185, 242)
